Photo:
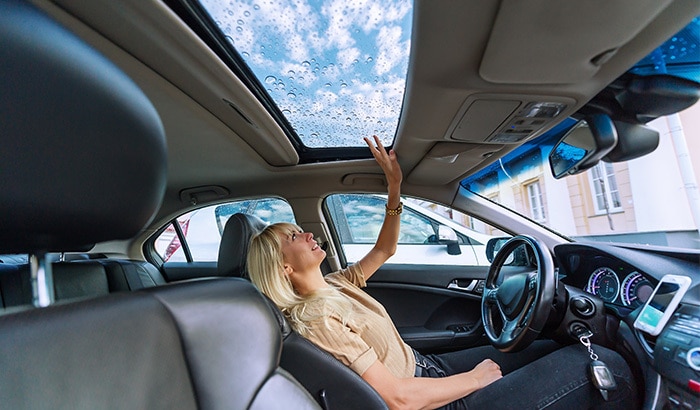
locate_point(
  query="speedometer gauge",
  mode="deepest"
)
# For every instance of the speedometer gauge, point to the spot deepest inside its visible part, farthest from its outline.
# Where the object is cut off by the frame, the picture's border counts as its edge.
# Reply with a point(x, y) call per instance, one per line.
point(635, 290)
point(604, 283)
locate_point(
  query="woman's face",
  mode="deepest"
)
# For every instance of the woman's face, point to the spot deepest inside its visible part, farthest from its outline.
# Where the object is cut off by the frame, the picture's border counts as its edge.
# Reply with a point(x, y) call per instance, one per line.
point(300, 251)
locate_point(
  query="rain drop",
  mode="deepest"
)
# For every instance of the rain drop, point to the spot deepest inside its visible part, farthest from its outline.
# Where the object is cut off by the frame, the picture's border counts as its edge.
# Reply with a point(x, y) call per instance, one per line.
point(270, 79)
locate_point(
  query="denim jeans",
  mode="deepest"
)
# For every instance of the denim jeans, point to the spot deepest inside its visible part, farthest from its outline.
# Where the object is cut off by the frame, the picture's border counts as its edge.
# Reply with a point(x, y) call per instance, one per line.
point(543, 376)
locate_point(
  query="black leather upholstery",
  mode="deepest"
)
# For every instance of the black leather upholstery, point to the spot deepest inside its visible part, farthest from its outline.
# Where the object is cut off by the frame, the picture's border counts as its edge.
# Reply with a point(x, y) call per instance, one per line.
point(83, 149)
point(83, 161)
point(210, 344)
point(328, 380)
point(78, 279)
point(235, 241)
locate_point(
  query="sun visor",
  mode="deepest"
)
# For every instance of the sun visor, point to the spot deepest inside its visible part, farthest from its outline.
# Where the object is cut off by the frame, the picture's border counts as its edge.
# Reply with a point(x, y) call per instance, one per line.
point(564, 43)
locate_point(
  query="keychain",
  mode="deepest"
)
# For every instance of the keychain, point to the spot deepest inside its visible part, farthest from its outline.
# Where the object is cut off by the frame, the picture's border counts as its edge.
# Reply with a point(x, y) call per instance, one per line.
point(601, 376)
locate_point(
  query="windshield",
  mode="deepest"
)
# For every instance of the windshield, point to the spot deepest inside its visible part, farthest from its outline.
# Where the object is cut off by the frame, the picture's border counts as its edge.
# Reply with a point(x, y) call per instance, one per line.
point(336, 69)
point(651, 200)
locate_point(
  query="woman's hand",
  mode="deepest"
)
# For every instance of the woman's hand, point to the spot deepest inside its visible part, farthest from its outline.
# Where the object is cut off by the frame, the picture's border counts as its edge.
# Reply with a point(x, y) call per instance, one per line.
point(387, 161)
point(486, 373)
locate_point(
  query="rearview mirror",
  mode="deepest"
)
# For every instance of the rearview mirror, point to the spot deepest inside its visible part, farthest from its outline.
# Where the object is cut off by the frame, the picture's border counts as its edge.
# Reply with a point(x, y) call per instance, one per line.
point(583, 146)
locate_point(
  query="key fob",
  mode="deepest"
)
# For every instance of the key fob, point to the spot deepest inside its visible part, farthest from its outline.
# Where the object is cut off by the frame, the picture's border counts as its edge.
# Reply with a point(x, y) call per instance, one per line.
point(602, 377)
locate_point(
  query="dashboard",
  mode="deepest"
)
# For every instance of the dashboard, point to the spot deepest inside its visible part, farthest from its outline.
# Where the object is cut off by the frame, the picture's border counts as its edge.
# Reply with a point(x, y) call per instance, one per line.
point(624, 277)
point(613, 280)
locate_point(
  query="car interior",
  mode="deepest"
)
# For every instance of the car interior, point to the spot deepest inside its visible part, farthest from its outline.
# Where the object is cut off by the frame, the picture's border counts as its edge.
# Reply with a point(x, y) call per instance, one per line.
point(122, 123)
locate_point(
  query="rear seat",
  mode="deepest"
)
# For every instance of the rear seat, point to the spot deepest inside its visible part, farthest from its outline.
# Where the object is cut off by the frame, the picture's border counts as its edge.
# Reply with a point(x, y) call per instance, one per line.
point(78, 279)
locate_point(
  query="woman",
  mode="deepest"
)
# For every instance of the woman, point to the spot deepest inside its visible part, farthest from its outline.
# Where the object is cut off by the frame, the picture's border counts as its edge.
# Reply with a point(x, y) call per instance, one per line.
point(333, 312)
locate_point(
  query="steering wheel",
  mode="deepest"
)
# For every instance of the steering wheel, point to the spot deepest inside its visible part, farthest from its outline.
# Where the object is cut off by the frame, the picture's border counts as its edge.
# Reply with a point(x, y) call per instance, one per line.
point(521, 296)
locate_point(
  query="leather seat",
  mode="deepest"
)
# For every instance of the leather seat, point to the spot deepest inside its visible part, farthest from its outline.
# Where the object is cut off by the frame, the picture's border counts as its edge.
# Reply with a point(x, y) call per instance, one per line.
point(235, 241)
point(84, 161)
point(331, 383)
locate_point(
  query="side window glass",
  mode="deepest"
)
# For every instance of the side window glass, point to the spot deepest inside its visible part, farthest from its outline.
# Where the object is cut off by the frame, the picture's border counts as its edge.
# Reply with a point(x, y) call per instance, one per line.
point(202, 228)
point(430, 234)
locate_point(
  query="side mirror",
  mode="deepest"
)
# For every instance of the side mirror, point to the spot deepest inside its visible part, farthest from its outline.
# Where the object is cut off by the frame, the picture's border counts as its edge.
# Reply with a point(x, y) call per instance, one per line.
point(583, 146)
point(447, 236)
point(493, 246)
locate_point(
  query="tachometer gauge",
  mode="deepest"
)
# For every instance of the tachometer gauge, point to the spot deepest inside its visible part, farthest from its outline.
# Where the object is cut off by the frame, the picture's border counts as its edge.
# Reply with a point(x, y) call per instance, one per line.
point(604, 283)
point(635, 290)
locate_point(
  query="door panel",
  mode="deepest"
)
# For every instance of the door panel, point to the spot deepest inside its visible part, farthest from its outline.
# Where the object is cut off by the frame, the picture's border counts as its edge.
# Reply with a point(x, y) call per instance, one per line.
point(430, 314)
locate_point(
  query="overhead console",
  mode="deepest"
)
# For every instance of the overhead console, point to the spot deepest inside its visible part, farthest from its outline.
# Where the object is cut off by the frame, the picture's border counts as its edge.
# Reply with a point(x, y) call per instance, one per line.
point(507, 119)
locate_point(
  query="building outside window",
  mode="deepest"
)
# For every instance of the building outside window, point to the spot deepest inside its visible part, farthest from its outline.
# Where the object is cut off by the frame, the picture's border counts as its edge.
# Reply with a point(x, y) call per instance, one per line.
point(607, 196)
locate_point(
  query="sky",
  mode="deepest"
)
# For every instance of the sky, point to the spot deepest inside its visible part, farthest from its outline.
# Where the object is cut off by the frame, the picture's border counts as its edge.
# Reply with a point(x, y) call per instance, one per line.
point(335, 68)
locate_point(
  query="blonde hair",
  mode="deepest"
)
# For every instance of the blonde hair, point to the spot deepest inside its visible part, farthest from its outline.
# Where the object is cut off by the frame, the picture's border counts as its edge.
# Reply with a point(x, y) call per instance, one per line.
point(266, 270)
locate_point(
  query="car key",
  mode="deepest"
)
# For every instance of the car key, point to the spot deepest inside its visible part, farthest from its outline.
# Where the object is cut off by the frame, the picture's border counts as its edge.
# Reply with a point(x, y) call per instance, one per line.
point(602, 377)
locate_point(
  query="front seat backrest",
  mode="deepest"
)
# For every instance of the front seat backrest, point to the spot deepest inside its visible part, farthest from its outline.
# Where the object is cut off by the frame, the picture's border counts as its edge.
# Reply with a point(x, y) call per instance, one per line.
point(83, 160)
point(235, 241)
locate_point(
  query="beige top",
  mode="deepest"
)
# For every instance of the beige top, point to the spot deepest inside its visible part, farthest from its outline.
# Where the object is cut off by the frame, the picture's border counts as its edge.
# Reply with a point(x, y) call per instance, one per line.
point(371, 336)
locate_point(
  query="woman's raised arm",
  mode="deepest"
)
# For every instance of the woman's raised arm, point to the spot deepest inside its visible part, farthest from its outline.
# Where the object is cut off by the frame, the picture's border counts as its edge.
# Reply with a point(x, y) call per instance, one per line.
point(389, 233)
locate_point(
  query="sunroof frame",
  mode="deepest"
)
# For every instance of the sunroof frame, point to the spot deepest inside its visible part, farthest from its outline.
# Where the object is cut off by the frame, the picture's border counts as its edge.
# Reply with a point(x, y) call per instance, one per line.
point(199, 20)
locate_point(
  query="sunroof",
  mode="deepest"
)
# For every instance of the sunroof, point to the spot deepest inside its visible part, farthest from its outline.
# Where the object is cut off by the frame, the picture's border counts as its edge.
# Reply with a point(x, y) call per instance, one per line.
point(679, 56)
point(335, 69)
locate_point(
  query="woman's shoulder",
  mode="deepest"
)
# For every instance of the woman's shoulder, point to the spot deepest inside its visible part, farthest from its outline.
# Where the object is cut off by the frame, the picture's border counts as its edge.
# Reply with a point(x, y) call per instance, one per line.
point(351, 275)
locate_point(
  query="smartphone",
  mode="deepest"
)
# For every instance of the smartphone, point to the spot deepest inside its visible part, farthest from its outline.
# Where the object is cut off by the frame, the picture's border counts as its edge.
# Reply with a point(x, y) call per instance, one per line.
point(662, 303)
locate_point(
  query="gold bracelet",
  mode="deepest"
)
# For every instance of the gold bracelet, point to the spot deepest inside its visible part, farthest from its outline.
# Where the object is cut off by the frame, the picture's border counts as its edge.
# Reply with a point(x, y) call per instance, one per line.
point(394, 212)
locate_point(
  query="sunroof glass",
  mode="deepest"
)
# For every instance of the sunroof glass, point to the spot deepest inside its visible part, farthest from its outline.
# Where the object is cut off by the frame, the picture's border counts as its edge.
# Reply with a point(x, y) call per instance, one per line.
point(679, 56)
point(336, 69)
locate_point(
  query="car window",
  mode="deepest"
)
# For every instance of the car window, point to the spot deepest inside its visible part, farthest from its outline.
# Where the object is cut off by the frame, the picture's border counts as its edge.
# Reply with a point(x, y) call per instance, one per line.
point(427, 229)
point(201, 229)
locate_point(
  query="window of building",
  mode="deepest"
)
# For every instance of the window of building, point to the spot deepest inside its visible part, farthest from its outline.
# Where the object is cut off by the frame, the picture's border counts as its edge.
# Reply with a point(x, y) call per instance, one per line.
point(606, 194)
point(534, 195)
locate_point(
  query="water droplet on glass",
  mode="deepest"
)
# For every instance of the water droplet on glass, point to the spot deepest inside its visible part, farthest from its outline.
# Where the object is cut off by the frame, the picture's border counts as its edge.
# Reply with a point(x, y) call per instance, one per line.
point(256, 7)
point(291, 95)
point(246, 13)
point(369, 60)
point(327, 84)
point(240, 22)
point(270, 79)
point(305, 64)
point(286, 112)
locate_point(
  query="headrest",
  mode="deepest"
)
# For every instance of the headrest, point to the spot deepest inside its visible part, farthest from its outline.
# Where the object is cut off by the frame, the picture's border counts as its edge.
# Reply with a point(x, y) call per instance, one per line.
point(235, 241)
point(82, 155)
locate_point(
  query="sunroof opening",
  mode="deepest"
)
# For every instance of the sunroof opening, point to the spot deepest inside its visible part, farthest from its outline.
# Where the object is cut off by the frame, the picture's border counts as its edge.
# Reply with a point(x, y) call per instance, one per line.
point(335, 69)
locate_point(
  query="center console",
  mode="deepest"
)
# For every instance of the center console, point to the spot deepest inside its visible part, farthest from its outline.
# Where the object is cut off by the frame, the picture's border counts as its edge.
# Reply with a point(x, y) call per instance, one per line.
point(677, 358)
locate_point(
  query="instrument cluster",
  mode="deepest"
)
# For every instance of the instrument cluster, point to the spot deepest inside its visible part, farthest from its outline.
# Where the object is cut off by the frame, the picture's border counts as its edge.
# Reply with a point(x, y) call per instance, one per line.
point(619, 287)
